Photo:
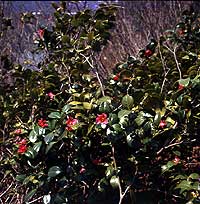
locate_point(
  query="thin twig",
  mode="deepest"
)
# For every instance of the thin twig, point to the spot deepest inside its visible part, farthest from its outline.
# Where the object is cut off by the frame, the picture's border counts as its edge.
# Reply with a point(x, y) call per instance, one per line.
point(164, 68)
point(97, 75)
point(175, 58)
point(7, 189)
point(67, 73)
point(171, 145)
point(36, 199)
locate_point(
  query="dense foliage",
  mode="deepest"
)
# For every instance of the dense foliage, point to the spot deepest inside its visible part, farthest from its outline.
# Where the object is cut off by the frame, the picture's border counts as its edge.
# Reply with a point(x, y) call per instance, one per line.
point(76, 138)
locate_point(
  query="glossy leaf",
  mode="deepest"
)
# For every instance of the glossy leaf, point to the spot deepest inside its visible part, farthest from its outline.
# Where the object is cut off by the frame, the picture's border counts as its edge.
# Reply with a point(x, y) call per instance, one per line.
point(47, 199)
point(127, 101)
point(55, 115)
point(29, 195)
point(48, 138)
point(54, 171)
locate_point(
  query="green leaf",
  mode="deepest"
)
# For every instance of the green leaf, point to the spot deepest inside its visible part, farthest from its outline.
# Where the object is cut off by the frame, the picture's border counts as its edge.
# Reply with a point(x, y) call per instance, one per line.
point(55, 115)
point(114, 182)
point(113, 119)
point(127, 101)
point(29, 195)
point(87, 106)
point(140, 120)
point(117, 127)
point(37, 131)
point(47, 199)
point(31, 153)
point(54, 171)
point(20, 177)
point(104, 99)
point(123, 113)
point(49, 146)
point(48, 138)
point(184, 82)
point(180, 177)
point(104, 107)
point(167, 166)
point(66, 108)
point(184, 185)
point(129, 140)
point(33, 135)
point(194, 176)
point(37, 146)
point(157, 118)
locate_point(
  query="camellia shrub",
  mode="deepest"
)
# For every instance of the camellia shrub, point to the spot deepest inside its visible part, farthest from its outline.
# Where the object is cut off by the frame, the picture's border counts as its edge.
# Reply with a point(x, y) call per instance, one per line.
point(90, 140)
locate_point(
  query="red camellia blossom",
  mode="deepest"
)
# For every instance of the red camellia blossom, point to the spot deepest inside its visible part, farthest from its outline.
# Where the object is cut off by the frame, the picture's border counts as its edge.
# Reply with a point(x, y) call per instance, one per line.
point(176, 160)
point(22, 142)
point(22, 149)
point(180, 87)
point(18, 131)
point(181, 32)
point(102, 119)
point(116, 77)
point(22, 146)
point(42, 123)
point(70, 123)
point(162, 124)
point(51, 95)
point(41, 33)
point(148, 53)
point(96, 161)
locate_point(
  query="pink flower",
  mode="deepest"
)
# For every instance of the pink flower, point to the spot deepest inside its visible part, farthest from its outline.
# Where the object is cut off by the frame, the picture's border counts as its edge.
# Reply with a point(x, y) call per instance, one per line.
point(70, 123)
point(51, 95)
point(102, 119)
point(42, 123)
point(180, 87)
point(176, 160)
point(18, 131)
point(82, 170)
point(41, 33)
point(22, 149)
point(162, 124)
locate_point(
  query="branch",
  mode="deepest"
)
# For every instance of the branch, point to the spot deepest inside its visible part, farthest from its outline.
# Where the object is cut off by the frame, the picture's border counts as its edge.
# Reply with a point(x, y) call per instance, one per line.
point(164, 68)
point(97, 75)
point(121, 194)
point(36, 199)
point(7, 189)
point(67, 74)
point(175, 58)
point(170, 145)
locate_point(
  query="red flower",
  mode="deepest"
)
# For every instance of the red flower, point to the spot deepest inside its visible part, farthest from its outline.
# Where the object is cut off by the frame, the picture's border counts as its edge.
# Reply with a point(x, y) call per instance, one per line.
point(116, 77)
point(176, 160)
point(51, 95)
point(102, 119)
point(180, 32)
point(18, 131)
point(96, 161)
point(82, 170)
point(162, 124)
point(42, 123)
point(22, 142)
point(22, 148)
point(70, 123)
point(180, 87)
point(148, 53)
point(41, 33)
